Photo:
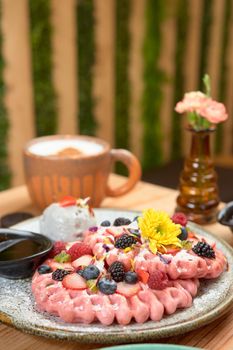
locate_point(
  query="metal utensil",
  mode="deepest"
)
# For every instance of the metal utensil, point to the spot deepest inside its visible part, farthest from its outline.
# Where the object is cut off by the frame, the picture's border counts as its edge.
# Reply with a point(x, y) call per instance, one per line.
point(9, 243)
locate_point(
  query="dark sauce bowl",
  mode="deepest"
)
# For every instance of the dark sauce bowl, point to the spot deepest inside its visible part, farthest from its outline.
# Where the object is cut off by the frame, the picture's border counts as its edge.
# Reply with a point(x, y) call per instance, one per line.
point(21, 261)
point(225, 216)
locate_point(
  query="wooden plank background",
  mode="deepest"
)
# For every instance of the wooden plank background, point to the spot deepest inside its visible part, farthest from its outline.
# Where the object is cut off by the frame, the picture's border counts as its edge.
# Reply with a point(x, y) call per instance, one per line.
point(18, 74)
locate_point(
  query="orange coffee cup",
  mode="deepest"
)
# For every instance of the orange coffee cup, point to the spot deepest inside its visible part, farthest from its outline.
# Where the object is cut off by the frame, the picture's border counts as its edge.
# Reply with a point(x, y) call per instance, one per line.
point(60, 165)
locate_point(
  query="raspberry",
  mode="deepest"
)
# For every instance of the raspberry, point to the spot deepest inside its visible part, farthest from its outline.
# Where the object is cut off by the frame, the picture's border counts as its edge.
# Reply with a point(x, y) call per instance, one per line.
point(79, 249)
point(125, 241)
point(158, 280)
point(204, 249)
point(58, 247)
point(180, 218)
point(117, 271)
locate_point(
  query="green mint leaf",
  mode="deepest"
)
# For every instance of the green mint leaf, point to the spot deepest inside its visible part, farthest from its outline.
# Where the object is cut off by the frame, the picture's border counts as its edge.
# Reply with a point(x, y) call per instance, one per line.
point(63, 257)
point(187, 245)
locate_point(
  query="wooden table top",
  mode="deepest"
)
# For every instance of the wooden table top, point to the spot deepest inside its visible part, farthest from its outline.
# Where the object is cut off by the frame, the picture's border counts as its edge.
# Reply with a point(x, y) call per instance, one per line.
point(216, 336)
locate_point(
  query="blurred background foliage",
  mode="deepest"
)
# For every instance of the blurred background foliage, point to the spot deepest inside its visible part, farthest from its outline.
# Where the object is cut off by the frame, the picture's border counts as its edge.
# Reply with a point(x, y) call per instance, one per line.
point(154, 77)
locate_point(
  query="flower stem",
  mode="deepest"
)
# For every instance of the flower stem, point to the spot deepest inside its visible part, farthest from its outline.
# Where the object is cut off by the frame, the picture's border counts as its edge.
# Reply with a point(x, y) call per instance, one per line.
point(207, 85)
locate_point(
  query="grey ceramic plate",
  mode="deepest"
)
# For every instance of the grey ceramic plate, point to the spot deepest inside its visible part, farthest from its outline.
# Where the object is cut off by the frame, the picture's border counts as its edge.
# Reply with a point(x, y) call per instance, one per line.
point(214, 297)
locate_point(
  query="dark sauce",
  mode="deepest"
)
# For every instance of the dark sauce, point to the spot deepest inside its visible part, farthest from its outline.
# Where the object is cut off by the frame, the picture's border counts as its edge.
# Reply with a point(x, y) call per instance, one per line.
point(20, 250)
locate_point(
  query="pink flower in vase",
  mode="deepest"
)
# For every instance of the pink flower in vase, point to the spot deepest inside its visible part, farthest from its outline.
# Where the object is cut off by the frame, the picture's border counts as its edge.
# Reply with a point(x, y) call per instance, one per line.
point(192, 102)
point(214, 112)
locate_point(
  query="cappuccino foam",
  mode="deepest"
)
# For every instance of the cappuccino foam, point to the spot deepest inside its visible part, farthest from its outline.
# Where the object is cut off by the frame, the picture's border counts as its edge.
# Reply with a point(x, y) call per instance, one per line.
point(52, 147)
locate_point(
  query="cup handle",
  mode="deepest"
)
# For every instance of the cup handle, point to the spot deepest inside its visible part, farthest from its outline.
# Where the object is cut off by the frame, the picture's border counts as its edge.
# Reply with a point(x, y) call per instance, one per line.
point(134, 167)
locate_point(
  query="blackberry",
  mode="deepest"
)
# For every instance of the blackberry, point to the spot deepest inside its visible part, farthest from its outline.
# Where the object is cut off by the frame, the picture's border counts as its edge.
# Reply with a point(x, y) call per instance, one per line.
point(59, 274)
point(121, 221)
point(117, 271)
point(204, 249)
point(125, 241)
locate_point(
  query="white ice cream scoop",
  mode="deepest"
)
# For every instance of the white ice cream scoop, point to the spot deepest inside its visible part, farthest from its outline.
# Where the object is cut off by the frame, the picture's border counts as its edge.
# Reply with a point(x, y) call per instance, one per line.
point(67, 223)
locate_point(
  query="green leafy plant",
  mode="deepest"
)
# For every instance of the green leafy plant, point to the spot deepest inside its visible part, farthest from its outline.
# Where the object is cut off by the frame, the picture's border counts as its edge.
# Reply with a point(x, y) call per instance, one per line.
point(86, 60)
point(44, 95)
point(122, 87)
point(182, 19)
point(226, 37)
point(5, 177)
point(153, 79)
point(207, 9)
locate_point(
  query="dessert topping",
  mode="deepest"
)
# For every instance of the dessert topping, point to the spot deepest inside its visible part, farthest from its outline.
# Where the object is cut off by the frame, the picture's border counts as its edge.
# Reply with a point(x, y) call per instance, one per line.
point(159, 230)
point(93, 229)
point(105, 223)
point(125, 241)
point(121, 221)
point(107, 286)
point(128, 290)
point(79, 249)
point(74, 281)
point(131, 277)
point(143, 275)
point(90, 272)
point(63, 257)
point(204, 249)
point(184, 234)
point(59, 274)
point(117, 271)
point(180, 218)
point(158, 280)
point(83, 261)
point(134, 232)
point(43, 269)
point(67, 201)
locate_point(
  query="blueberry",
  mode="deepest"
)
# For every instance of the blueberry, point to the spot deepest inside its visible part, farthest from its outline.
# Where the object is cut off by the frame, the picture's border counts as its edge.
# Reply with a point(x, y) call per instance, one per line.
point(131, 277)
point(79, 272)
point(90, 272)
point(136, 218)
point(42, 269)
point(107, 286)
point(134, 232)
point(184, 234)
point(121, 221)
point(105, 223)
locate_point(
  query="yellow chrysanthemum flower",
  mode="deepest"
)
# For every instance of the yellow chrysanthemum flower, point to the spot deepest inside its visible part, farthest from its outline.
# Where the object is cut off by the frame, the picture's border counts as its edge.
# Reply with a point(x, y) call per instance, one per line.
point(159, 230)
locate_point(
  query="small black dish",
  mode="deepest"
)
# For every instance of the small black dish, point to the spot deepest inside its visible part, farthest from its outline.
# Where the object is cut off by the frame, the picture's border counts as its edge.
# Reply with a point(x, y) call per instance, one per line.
point(20, 260)
point(225, 216)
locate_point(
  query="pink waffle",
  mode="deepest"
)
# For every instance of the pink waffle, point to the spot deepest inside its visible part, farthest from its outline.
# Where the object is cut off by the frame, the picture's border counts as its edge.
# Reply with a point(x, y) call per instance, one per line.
point(139, 302)
point(81, 306)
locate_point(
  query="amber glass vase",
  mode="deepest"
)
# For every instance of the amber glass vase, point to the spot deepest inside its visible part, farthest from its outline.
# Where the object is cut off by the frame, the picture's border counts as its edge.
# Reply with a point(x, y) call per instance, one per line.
point(198, 197)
